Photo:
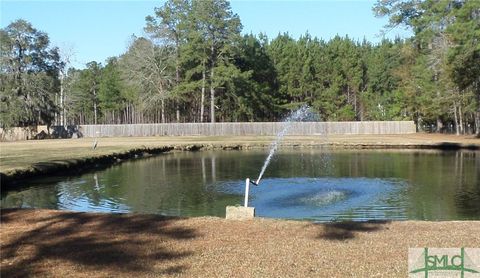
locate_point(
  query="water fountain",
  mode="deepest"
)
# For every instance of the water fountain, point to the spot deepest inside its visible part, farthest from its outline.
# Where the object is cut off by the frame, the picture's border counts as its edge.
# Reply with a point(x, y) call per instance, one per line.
point(296, 116)
point(247, 212)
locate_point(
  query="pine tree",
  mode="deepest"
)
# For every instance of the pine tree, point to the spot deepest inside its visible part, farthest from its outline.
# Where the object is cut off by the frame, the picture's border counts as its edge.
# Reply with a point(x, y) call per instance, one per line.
point(220, 28)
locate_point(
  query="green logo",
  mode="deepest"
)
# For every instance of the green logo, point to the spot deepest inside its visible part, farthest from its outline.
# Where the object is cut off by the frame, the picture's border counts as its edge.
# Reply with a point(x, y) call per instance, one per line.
point(445, 261)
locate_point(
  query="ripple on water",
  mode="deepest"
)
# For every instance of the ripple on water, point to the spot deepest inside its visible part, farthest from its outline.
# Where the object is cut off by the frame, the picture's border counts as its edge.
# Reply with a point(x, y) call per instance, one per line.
point(322, 199)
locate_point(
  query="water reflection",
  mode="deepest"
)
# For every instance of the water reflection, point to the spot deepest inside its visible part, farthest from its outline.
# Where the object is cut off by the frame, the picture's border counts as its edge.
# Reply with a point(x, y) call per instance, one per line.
point(435, 185)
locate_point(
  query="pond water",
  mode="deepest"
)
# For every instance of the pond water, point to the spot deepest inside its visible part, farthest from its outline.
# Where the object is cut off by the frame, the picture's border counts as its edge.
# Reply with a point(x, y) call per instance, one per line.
point(315, 184)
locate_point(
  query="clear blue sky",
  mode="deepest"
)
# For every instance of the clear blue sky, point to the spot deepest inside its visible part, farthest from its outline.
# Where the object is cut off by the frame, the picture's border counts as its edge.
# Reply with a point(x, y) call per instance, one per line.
point(96, 30)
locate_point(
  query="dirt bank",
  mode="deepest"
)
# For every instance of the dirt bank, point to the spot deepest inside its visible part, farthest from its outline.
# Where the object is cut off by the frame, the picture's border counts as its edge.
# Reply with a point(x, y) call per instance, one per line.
point(67, 244)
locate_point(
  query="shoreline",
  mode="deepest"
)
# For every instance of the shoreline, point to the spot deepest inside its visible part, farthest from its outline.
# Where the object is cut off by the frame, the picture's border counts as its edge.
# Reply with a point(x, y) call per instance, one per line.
point(88, 159)
point(38, 242)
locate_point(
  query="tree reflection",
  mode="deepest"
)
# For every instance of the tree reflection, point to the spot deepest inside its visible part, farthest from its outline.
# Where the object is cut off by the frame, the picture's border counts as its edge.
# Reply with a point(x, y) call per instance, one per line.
point(439, 185)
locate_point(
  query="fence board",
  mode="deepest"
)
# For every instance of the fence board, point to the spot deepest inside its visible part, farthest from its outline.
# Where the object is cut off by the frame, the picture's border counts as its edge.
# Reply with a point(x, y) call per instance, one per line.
point(238, 129)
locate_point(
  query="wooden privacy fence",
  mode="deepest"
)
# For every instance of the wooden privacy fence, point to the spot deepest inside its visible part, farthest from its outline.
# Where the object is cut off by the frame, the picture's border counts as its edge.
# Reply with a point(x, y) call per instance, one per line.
point(232, 129)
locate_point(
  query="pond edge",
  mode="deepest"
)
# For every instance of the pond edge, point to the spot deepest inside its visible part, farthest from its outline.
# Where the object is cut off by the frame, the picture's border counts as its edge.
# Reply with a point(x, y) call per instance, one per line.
point(11, 178)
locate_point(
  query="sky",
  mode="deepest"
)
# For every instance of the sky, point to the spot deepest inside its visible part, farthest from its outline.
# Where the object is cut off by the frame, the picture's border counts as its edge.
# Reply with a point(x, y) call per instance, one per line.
point(96, 30)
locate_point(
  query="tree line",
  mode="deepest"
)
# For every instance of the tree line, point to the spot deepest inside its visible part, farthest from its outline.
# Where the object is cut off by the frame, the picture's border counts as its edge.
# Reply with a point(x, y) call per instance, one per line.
point(194, 65)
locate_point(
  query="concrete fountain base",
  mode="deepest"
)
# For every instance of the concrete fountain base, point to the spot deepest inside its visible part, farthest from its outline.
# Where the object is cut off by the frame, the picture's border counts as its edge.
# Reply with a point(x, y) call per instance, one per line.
point(240, 213)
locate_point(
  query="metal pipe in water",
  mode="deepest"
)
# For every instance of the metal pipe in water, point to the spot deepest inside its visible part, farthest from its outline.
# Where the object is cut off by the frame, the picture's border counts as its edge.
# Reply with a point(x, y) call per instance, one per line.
point(247, 187)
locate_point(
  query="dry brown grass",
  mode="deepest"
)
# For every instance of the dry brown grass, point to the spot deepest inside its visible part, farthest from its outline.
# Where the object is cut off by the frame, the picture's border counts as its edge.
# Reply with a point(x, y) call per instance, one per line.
point(66, 244)
point(23, 154)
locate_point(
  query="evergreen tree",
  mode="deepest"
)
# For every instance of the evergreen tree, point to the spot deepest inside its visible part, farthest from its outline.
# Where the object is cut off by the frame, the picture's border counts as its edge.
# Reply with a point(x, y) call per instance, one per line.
point(111, 91)
point(220, 28)
point(29, 76)
point(447, 32)
point(169, 25)
point(258, 100)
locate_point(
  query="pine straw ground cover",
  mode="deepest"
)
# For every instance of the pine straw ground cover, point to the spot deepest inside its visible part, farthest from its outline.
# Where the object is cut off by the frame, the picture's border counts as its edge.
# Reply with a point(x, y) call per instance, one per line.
point(70, 244)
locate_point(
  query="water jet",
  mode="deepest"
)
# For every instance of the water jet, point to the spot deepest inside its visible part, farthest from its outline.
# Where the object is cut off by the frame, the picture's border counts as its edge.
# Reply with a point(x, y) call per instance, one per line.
point(295, 116)
point(246, 211)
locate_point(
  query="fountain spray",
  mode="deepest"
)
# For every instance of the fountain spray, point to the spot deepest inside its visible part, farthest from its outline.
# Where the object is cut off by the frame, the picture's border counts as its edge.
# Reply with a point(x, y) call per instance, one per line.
point(296, 116)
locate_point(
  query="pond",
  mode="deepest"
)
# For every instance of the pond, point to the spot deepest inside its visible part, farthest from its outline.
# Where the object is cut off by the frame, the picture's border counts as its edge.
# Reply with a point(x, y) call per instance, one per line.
point(318, 184)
